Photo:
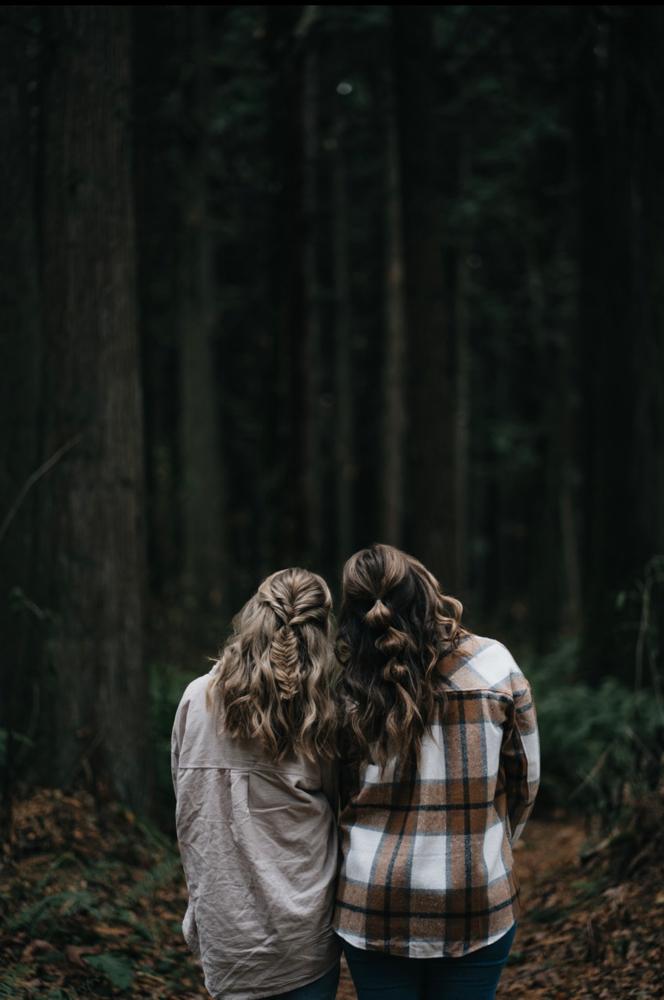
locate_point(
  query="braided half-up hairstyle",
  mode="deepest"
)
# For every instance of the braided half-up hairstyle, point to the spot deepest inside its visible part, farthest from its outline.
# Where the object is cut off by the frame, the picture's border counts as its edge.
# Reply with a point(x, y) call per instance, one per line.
point(274, 679)
point(395, 628)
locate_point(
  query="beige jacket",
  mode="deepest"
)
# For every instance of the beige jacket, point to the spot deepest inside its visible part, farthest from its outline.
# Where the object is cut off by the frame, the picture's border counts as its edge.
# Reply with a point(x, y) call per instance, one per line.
point(259, 849)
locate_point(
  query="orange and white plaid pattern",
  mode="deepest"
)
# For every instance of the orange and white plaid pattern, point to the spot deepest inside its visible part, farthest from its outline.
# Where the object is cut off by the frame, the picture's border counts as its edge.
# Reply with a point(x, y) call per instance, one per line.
point(427, 867)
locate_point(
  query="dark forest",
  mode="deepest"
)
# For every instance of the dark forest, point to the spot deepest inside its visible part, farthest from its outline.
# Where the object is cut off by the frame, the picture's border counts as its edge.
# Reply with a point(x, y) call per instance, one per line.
point(277, 282)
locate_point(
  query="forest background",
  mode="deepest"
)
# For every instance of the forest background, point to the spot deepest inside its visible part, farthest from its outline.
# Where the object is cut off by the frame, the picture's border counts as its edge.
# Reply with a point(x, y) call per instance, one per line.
point(277, 282)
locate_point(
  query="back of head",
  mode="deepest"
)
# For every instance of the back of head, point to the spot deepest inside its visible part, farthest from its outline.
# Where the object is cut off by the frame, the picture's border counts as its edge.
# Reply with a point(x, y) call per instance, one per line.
point(273, 682)
point(394, 628)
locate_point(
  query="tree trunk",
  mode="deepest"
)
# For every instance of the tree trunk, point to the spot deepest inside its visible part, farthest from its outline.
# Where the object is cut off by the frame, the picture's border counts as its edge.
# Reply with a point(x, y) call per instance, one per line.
point(286, 422)
point(648, 471)
point(201, 457)
point(20, 355)
point(95, 520)
point(345, 470)
point(613, 555)
point(462, 374)
point(431, 405)
point(312, 321)
point(394, 412)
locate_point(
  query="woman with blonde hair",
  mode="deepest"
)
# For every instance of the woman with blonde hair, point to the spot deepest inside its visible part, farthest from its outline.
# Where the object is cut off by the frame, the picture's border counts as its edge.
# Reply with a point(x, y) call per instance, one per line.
point(254, 747)
point(442, 768)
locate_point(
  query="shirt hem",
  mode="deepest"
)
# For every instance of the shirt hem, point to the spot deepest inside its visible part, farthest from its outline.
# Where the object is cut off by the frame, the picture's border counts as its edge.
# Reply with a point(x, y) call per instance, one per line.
point(435, 951)
point(292, 984)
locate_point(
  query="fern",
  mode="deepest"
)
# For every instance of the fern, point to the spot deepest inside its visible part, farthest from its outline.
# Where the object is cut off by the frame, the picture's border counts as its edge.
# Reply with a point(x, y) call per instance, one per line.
point(11, 982)
point(158, 876)
point(117, 968)
point(63, 859)
point(127, 917)
point(65, 903)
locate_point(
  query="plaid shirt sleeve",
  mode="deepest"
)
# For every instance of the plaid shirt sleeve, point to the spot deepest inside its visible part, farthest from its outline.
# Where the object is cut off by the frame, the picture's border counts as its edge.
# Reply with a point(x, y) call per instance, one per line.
point(521, 760)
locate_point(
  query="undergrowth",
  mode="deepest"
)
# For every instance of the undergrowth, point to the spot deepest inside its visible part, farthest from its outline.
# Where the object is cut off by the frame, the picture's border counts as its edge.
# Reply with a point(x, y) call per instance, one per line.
point(602, 748)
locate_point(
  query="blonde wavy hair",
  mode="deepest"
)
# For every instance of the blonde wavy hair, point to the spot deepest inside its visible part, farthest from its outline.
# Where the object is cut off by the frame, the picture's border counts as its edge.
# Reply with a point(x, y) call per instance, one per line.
point(395, 629)
point(274, 678)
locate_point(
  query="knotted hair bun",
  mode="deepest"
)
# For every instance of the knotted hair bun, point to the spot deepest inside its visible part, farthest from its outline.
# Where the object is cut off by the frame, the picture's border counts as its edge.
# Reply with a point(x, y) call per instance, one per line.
point(379, 616)
point(394, 642)
point(395, 672)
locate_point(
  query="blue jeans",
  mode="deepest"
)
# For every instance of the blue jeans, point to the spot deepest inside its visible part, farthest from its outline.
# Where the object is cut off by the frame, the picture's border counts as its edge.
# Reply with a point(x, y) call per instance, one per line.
point(324, 988)
point(378, 976)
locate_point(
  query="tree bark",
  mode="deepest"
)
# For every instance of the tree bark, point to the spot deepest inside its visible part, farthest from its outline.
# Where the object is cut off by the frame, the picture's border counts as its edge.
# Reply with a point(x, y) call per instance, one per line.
point(20, 355)
point(312, 320)
point(285, 427)
point(345, 470)
point(201, 455)
point(462, 373)
point(431, 389)
point(609, 322)
point(95, 552)
point(394, 404)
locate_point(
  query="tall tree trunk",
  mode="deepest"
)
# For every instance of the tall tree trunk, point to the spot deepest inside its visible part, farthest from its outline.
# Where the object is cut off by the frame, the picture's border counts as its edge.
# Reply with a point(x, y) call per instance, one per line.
point(605, 117)
point(571, 611)
point(394, 403)
point(345, 470)
point(648, 201)
point(201, 457)
point(20, 355)
point(96, 535)
point(157, 49)
point(312, 321)
point(286, 423)
point(462, 373)
point(431, 389)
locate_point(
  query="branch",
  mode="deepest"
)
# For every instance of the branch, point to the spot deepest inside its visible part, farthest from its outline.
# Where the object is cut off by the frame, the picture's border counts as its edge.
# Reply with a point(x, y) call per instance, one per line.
point(30, 482)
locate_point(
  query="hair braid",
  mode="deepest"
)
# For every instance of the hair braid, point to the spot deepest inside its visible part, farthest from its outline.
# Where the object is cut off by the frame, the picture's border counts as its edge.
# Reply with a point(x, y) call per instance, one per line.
point(285, 660)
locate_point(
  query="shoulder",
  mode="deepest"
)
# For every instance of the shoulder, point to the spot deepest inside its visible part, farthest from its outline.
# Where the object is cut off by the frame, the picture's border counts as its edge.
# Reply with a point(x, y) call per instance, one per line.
point(193, 698)
point(480, 663)
point(196, 690)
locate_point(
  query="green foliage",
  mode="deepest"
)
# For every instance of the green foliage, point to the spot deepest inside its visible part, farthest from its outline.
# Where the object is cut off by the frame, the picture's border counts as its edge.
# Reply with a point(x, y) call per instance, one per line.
point(119, 969)
point(63, 859)
point(11, 981)
point(160, 875)
point(48, 911)
point(601, 747)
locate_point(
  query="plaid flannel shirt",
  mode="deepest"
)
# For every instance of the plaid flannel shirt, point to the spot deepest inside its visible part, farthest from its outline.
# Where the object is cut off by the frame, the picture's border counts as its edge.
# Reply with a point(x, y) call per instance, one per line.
point(427, 866)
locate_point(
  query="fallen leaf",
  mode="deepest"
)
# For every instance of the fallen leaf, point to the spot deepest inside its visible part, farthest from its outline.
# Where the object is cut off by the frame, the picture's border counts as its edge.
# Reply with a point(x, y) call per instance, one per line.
point(74, 953)
point(39, 945)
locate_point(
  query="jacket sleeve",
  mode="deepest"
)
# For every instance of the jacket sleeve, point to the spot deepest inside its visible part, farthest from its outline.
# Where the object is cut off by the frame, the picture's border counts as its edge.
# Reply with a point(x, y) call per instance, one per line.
point(176, 740)
point(175, 757)
point(521, 757)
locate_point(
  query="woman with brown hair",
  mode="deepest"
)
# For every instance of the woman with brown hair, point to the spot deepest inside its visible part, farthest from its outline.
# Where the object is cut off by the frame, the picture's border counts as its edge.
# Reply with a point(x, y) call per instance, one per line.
point(254, 770)
point(441, 771)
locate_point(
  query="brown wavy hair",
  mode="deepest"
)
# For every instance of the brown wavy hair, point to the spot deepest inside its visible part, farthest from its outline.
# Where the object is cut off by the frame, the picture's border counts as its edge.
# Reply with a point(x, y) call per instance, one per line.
point(395, 627)
point(274, 678)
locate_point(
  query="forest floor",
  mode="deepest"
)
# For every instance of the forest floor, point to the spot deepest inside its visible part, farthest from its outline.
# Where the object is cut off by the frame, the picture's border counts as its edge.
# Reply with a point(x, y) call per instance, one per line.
point(92, 902)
